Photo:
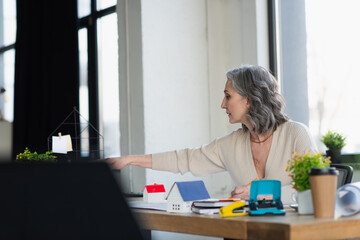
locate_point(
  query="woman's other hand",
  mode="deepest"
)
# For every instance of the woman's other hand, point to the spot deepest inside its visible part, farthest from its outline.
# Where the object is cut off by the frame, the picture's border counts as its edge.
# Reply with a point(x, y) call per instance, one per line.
point(242, 192)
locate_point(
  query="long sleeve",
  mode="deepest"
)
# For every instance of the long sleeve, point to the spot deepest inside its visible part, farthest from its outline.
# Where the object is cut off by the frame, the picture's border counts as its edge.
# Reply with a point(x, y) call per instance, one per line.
point(232, 153)
point(199, 161)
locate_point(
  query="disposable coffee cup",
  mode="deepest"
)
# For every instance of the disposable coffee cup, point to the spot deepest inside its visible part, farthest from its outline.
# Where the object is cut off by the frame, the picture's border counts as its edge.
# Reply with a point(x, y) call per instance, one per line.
point(323, 183)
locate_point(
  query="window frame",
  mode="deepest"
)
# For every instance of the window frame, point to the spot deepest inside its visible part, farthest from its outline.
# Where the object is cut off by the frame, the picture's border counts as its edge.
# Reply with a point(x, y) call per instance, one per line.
point(272, 28)
point(7, 48)
point(90, 22)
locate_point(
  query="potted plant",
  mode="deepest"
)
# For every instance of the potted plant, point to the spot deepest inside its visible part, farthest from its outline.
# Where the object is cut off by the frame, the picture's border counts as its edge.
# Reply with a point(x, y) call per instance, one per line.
point(334, 142)
point(299, 167)
point(28, 157)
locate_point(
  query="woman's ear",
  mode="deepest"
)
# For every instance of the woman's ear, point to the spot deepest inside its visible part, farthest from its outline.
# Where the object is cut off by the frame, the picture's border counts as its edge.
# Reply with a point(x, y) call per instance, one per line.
point(248, 102)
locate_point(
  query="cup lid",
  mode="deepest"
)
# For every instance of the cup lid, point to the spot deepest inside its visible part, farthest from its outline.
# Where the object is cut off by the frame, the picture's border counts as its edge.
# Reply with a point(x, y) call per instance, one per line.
point(323, 171)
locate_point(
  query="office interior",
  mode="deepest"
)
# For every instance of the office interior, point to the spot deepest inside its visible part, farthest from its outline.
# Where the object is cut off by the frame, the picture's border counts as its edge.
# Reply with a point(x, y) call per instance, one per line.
point(149, 75)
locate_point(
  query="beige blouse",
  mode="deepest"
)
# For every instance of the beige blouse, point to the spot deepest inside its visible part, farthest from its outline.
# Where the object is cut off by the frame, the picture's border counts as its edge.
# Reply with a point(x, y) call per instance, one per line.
point(232, 153)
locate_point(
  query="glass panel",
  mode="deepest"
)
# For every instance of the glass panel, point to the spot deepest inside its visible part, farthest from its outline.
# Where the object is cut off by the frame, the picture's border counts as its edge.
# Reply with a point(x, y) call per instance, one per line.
point(9, 26)
point(109, 84)
point(7, 98)
point(83, 8)
point(102, 4)
point(84, 91)
point(333, 61)
point(1, 25)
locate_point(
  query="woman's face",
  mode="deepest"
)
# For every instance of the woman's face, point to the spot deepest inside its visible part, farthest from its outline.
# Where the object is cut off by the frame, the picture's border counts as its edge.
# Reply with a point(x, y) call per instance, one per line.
point(236, 106)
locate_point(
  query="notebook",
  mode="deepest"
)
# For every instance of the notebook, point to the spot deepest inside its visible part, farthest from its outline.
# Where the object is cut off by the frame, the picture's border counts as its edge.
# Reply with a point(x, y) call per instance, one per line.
point(212, 203)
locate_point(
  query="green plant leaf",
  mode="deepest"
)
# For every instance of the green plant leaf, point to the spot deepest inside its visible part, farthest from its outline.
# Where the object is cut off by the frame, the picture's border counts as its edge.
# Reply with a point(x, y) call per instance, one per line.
point(28, 157)
point(300, 166)
point(333, 140)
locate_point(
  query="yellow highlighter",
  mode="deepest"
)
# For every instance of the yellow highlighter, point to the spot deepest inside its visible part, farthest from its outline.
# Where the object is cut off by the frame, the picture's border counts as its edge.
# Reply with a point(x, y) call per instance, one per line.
point(234, 209)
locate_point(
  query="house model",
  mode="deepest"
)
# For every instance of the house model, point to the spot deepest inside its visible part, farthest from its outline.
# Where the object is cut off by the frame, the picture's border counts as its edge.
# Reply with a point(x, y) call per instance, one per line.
point(154, 193)
point(182, 194)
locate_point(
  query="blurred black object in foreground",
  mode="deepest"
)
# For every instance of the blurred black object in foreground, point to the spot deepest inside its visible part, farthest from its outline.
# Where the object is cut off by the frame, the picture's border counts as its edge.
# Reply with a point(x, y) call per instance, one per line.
point(63, 201)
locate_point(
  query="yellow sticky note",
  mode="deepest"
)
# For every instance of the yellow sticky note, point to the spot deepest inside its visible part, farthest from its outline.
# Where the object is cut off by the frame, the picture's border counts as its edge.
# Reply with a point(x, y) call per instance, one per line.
point(69, 143)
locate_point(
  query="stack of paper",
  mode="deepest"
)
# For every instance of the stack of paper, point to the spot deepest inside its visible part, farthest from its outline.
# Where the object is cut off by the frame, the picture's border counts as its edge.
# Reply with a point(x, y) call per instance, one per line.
point(146, 205)
point(209, 206)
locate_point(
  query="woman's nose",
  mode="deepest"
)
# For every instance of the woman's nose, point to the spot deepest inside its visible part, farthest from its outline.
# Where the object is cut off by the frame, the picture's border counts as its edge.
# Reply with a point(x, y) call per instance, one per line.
point(223, 104)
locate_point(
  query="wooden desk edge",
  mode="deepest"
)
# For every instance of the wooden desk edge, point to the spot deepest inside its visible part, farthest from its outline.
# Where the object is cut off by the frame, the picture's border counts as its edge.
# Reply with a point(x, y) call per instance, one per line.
point(345, 228)
point(190, 224)
point(295, 227)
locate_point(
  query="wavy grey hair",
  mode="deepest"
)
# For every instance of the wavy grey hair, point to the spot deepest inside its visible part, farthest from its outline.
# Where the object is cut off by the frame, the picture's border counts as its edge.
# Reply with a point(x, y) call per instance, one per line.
point(266, 110)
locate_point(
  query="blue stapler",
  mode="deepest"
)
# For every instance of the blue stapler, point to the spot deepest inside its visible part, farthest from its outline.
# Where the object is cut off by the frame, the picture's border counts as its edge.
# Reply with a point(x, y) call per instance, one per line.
point(265, 198)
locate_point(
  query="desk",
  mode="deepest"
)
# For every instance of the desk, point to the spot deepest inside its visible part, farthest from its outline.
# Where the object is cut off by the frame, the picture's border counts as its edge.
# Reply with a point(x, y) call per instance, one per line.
point(291, 226)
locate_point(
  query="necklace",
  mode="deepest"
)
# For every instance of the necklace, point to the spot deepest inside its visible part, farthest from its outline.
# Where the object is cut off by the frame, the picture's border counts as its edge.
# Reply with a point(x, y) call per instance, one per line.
point(254, 141)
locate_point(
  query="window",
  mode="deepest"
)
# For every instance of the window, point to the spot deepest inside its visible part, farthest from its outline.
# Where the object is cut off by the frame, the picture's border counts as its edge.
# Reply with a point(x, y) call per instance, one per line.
point(109, 83)
point(333, 62)
point(327, 85)
point(99, 87)
point(7, 57)
point(329, 50)
point(103, 4)
point(99, 93)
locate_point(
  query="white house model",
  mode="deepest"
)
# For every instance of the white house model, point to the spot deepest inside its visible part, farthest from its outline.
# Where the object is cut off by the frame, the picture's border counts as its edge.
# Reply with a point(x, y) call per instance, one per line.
point(154, 193)
point(182, 195)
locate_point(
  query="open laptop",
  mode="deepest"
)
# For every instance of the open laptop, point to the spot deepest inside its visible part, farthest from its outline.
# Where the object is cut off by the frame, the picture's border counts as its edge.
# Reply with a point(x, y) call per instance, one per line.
point(63, 201)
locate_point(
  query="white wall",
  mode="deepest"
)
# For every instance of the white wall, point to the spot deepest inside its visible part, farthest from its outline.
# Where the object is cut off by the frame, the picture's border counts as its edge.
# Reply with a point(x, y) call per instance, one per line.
point(131, 90)
point(176, 107)
point(187, 47)
point(173, 57)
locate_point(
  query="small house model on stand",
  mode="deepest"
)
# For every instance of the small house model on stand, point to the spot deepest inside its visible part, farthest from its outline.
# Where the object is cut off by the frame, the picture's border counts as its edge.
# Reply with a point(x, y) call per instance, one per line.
point(154, 193)
point(182, 195)
point(87, 141)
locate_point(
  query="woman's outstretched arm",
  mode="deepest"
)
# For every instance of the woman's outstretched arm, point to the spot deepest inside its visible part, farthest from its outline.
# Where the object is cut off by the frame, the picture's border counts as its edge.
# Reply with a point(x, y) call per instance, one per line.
point(144, 161)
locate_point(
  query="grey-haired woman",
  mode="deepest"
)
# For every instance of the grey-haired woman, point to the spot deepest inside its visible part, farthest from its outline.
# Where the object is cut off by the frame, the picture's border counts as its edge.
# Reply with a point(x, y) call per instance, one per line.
point(258, 150)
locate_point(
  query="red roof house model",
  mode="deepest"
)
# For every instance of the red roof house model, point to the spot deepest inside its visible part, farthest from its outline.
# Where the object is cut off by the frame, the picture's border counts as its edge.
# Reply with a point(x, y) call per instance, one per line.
point(155, 188)
point(154, 193)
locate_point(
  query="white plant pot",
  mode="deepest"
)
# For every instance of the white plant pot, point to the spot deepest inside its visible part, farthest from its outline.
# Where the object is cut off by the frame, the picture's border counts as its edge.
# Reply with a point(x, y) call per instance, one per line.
point(304, 201)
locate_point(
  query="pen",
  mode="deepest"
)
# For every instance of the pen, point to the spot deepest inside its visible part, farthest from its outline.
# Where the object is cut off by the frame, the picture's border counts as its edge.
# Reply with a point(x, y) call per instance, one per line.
point(251, 182)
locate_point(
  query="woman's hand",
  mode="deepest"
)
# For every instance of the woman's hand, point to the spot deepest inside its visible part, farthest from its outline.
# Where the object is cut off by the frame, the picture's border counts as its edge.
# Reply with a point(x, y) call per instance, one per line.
point(242, 192)
point(144, 161)
point(118, 162)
